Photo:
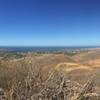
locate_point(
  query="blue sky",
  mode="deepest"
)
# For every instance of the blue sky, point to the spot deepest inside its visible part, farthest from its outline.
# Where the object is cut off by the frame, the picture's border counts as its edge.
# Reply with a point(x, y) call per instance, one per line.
point(49, 22)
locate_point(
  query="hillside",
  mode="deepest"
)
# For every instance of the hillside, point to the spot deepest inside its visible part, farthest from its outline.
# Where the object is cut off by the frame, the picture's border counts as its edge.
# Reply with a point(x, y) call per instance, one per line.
point(36, 76)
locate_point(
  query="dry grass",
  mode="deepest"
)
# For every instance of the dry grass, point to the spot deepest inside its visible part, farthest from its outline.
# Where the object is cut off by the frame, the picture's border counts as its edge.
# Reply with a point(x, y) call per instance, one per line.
point(32, 78)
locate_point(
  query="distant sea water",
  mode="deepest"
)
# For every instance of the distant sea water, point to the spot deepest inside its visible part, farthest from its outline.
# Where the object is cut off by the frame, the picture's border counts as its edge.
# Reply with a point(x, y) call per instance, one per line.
point(45, 49)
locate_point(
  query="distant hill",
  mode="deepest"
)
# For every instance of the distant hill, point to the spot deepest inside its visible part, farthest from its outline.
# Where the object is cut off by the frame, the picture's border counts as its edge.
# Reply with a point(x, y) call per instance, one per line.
point(87, 56)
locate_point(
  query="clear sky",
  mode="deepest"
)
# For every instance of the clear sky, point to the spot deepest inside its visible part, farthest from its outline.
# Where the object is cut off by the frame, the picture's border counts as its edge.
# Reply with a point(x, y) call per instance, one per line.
point(49, 22)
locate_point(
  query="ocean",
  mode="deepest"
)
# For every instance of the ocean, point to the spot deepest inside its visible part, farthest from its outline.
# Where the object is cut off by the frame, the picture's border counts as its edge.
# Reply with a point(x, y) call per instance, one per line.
point(45, 49)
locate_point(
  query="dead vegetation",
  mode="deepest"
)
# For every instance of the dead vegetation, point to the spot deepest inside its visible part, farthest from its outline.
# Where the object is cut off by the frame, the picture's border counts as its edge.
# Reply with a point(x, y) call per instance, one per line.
point(30, 80)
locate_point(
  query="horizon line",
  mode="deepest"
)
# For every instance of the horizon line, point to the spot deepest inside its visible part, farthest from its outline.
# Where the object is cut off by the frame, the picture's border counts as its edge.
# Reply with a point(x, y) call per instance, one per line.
point(49, 45)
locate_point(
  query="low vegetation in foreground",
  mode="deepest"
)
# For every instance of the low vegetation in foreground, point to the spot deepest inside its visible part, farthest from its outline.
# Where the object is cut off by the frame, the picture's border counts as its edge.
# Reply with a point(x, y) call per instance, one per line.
point(50, 76)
